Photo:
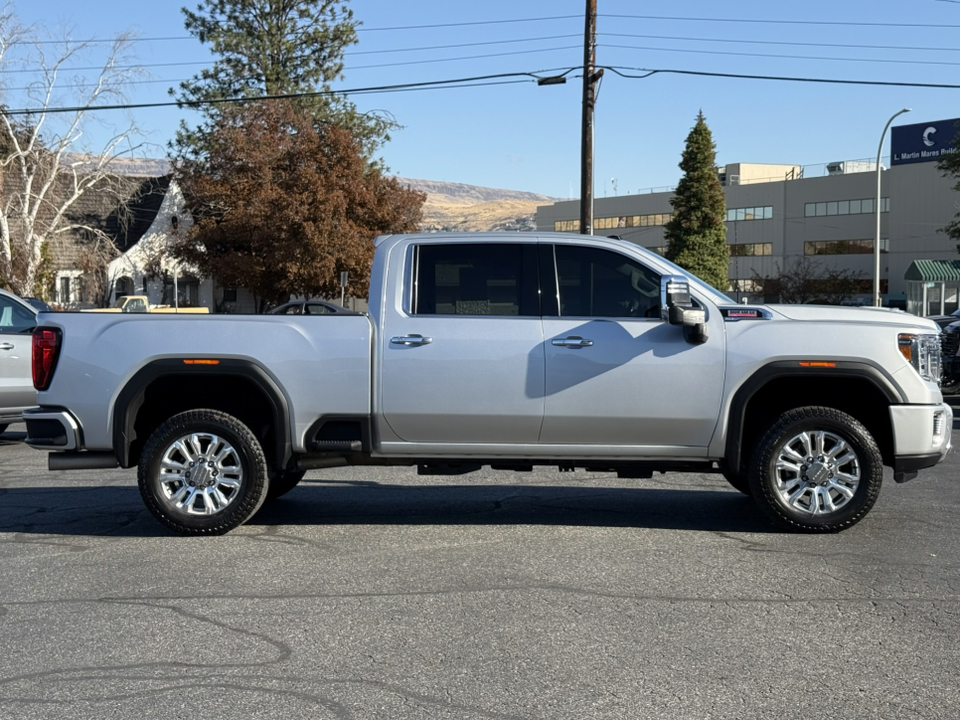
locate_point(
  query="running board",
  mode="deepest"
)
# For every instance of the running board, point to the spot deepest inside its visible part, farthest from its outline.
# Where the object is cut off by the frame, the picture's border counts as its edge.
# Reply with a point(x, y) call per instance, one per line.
point(82, 461)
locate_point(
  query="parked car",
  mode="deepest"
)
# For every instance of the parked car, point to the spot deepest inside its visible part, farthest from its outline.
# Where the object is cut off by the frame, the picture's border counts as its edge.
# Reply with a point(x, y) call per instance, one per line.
point(17, 320)
point(309, 307)
point(38, 304)
point(943, 320)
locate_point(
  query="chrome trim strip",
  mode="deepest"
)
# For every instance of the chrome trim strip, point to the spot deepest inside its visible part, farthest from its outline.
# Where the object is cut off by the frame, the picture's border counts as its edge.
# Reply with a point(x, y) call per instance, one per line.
point(70, 426)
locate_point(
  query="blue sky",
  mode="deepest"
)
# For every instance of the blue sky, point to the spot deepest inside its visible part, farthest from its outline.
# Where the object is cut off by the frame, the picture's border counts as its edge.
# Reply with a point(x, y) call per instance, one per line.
point(524, 137)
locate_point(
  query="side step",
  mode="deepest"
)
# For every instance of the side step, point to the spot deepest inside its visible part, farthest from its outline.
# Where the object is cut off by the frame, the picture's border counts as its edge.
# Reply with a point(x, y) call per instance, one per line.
point(447, 468)
point(333, 446)
point(82, 461)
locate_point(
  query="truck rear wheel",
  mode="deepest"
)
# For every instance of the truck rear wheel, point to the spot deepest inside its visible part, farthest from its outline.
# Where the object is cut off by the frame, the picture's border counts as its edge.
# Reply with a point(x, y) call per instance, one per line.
point(203, 472)
point(816, 470)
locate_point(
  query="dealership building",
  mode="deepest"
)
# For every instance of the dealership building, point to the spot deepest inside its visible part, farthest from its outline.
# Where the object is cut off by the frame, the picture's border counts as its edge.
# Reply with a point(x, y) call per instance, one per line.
point(777, 214)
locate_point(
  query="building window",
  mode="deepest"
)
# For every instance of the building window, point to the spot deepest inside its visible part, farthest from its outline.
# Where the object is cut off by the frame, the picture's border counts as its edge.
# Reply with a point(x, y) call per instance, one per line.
point(616, 222)
point(187, 292)
point(230, 294)
point(751, 249)
point(750, 213)
point(69, 287)
point(845, 207)
point(122, 286)
point(843, 247)
point(567, 226)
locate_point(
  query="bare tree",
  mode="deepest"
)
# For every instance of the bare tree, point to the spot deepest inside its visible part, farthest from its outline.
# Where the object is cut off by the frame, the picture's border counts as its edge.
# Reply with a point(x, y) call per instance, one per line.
point(46, 163)
point(805, 280)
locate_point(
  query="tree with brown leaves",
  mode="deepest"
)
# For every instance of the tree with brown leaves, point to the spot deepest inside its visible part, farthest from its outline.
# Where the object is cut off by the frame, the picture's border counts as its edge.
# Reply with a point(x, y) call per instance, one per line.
point(282, 206)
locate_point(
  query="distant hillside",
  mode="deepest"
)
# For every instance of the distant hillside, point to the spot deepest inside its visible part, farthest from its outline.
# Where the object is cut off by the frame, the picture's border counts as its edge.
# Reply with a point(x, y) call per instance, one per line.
point(458, 207)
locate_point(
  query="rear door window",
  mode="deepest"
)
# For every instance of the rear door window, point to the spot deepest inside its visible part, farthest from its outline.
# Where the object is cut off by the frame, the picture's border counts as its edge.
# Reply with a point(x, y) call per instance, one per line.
point(477, 279)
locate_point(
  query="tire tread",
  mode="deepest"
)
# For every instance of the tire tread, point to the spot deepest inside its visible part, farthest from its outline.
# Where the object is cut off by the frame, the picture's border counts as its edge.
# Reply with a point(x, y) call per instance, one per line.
point(256, 486)
point(870, 460)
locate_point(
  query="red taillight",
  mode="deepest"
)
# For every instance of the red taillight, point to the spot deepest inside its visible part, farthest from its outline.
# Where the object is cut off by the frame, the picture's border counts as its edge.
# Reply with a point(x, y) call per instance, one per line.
point(46, 350)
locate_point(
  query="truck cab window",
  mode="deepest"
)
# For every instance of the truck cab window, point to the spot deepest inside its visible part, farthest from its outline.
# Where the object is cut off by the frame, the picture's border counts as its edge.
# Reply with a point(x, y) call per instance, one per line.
point(601, 283)
point(476, 279)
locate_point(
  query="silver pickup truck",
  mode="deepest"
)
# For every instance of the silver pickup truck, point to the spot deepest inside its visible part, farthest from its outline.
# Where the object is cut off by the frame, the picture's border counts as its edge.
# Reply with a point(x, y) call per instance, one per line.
point(508, 350)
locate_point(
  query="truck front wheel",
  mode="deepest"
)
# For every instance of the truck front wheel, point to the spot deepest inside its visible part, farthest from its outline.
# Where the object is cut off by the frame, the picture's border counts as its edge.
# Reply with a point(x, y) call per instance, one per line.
point(203, 472)
point(816, 470)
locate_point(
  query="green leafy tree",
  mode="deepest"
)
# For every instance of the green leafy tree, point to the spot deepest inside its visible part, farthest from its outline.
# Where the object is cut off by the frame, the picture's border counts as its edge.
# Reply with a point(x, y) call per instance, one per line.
point(273, 47)
point(696, 236)
point(282, 206)
point(949, 165)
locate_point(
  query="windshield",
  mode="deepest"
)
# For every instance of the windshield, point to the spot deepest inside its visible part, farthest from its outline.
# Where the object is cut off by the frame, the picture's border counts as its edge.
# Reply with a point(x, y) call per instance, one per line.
point(696, 283)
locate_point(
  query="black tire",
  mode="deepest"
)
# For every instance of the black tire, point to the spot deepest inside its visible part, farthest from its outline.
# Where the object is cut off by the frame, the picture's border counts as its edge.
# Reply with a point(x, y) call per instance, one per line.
point(228, 467)
point(847, 476)
point(283, 482)
point(950, 387)
point(738, 482)
point(3, 427)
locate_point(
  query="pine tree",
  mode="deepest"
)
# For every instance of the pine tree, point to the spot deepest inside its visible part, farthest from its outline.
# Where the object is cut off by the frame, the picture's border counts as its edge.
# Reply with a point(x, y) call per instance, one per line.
point(273, 47)
point(696, 236)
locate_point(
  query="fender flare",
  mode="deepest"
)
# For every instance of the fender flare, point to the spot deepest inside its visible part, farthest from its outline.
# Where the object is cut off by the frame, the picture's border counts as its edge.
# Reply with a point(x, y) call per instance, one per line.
point(736, 414)
point(131, 398)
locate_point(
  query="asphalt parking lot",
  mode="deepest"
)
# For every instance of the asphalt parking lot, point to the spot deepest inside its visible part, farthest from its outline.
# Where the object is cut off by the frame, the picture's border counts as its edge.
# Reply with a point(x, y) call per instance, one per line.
point(376, 593)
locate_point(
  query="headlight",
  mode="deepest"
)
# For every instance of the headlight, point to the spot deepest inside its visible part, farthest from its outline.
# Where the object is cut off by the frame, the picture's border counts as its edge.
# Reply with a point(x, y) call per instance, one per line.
point(923, 352)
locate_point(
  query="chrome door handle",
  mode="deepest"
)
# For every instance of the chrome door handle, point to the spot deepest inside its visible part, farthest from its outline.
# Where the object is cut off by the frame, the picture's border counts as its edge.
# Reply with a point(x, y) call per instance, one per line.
point(6, 346)
point(574, 341)
point(411, 340)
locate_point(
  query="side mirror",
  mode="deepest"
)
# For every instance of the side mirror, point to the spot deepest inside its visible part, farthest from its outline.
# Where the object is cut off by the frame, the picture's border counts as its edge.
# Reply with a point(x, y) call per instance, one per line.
point(676, 308)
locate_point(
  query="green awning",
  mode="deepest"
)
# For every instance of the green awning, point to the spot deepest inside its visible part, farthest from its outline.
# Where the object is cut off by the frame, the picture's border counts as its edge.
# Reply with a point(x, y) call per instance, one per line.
point(933, 270)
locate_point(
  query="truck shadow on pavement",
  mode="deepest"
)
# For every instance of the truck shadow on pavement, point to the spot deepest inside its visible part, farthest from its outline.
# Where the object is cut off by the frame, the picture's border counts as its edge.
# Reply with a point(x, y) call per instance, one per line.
point(118, 511)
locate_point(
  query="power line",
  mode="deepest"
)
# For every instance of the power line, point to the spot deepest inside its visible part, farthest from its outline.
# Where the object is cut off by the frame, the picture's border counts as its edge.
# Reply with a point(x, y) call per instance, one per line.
point(780, 78)
point(113, 67)
point(785, 42)
point(467, 24)
point(429, 85)
point(477, 81)
point(465, 57)
point(785, 22)
point(350, 68)
point(366, 52)
point(463, 45)
point(92, 41)
point(781, 56)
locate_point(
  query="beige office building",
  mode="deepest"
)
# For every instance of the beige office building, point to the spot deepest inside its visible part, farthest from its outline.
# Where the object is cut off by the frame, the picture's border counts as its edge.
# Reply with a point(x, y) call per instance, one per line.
point(776, 213)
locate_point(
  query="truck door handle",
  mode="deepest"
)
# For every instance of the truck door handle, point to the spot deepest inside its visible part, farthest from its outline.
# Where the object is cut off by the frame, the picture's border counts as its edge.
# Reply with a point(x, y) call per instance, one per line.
point(574, 341)
point(411, 340)
point(6, 346)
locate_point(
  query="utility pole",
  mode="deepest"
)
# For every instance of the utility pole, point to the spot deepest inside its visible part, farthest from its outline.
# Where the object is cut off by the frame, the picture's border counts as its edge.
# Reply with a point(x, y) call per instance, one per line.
point(590, 78)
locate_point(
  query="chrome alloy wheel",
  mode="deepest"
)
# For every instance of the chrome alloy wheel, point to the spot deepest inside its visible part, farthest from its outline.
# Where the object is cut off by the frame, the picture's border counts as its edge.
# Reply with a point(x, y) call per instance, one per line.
point(200, 474)
point(817, 472)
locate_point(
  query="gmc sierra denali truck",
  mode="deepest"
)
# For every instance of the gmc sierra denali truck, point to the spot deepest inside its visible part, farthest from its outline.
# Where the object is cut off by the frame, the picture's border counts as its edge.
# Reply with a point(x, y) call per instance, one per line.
point(507, 350)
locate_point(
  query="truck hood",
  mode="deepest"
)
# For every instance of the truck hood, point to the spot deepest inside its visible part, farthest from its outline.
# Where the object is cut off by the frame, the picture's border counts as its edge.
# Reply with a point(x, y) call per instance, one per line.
point(831, 313)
